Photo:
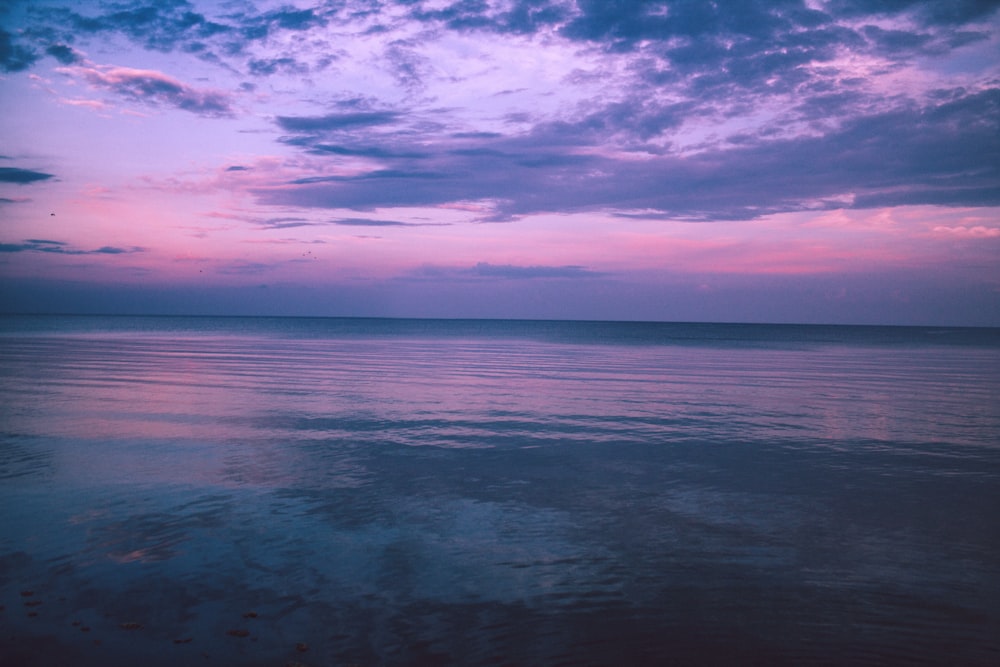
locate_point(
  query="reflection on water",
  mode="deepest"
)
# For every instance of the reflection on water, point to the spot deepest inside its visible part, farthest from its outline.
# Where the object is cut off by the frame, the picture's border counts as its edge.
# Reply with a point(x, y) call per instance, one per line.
point(421, 496)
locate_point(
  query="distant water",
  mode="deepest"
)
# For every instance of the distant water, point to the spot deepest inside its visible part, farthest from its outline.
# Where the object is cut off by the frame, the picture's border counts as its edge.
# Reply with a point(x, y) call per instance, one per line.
point(271, 491)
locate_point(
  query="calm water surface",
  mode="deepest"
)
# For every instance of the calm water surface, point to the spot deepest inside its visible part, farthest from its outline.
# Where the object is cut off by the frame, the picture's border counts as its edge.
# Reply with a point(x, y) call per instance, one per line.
point(391, 492)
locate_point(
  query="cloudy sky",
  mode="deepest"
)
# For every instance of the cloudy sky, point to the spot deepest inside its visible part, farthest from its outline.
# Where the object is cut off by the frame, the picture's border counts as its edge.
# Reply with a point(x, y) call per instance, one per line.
point(739, 160)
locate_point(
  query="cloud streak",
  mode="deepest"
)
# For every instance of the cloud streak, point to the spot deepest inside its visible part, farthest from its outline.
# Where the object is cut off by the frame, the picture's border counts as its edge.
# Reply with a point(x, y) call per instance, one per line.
point(63, 248)
point(369, 222)
point(154, 88)
point(510, 271)
point(337, 121)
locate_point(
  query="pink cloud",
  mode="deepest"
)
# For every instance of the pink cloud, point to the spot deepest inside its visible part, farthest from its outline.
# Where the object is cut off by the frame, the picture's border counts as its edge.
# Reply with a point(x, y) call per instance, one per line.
point(97, 105)
point(152, 87)
point(961, 231)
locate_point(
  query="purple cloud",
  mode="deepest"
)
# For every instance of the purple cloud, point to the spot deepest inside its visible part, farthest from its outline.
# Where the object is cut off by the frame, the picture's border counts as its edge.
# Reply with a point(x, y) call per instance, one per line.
point(156, 88)
point(944, 152)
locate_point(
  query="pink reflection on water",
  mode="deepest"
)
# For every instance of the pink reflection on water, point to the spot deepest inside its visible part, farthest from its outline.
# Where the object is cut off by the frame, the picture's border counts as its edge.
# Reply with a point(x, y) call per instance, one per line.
point(245, 411)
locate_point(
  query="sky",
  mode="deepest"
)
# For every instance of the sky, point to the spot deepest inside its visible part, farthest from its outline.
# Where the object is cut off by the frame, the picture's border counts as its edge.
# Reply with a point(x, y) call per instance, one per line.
point(815, 161)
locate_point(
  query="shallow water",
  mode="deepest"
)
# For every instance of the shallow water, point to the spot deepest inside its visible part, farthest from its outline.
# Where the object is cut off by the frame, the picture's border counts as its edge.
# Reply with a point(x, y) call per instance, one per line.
point(434, 492)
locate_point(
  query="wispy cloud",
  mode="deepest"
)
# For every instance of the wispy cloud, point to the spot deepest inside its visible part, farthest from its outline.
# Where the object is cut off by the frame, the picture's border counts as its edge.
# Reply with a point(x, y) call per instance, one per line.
point(530, 272)
point(962, 231)
point(63, 248)
point(368, 222)
point(245, 268)
point(286, 223)
point(486, 271)
point(336, 121)
point(154, 88)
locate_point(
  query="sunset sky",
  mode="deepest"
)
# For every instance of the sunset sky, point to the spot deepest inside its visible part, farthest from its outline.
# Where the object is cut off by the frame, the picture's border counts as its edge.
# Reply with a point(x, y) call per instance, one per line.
point(765, 161)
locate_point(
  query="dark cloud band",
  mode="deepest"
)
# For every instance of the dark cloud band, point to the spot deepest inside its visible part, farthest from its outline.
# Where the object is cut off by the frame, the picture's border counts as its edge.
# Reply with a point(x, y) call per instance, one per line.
point(63, 248)
point(22, 176)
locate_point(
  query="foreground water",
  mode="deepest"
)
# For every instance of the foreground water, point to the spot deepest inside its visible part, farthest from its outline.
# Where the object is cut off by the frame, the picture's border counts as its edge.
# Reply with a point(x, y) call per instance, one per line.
point(390, 492)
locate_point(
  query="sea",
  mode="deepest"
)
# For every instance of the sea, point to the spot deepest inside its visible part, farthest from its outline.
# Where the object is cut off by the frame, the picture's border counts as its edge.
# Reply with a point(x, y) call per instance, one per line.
point(336, 491)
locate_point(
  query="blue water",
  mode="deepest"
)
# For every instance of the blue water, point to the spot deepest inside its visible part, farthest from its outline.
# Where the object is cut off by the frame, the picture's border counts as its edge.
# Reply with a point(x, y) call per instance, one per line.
point(271, 491)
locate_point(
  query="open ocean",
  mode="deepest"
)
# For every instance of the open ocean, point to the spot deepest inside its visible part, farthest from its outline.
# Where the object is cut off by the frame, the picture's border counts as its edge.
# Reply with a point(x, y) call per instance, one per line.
point(275, 491)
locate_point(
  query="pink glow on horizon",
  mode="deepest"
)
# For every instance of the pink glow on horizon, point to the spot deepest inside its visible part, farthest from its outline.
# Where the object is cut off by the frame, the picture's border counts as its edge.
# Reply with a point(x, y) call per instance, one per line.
point(226, 243)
